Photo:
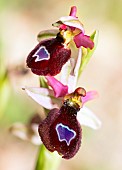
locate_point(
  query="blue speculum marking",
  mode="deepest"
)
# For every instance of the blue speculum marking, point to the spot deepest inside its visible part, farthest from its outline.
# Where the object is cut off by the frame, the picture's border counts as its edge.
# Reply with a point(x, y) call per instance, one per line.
point(42, 54)
point(65, 133)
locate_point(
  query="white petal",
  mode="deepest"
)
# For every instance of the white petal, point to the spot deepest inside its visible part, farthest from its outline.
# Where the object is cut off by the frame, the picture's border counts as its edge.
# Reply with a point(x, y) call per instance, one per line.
point(67, 18)
point(72, 22)
point(73, 77)
point(23, 132)
point(78, 62)
point(65, 73)
point(75, 25)
point(19, 130)
point(87, 118)
point(71, 83)
point(41, 96)
point(35, 138)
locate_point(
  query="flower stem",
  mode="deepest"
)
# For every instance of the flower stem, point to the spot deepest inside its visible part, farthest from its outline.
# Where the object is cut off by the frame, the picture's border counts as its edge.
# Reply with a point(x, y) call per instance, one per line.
point(47, 160)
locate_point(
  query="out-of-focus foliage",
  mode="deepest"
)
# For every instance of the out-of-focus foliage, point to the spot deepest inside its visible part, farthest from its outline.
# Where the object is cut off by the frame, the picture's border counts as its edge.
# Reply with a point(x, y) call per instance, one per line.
point(12, 106)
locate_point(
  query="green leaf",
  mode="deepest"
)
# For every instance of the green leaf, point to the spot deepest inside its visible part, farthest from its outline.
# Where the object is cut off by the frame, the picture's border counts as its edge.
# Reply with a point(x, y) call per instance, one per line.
point(46, 34)
point(47, 160)
point(87, 53)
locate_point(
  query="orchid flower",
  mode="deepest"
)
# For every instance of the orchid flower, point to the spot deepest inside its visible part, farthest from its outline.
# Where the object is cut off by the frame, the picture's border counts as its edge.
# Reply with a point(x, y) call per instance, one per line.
point(61, 130)
point(85, 117)
point(49, 56)
point(73, 24)
point(52, 98)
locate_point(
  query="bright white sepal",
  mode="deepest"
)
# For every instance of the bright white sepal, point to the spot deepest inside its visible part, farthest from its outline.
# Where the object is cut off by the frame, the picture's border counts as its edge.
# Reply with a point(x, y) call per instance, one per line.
point(87, 118)
point(72, 22)
point(65, 73)
point(42, 96)
point(67, 18)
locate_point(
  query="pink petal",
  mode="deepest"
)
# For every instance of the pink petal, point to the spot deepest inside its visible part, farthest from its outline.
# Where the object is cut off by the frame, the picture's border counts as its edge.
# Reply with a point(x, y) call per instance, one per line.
point(90, 96)
point(73, 11)
point(60, 90)
point(63, 27)
point(83, 40)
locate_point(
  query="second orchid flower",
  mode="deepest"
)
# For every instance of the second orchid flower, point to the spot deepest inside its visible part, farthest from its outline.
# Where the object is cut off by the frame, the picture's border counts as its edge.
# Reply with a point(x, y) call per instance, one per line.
point(49, 56)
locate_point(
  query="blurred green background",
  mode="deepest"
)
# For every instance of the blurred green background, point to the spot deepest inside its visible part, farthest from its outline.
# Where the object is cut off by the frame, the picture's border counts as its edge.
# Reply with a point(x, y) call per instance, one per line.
point(20, 22)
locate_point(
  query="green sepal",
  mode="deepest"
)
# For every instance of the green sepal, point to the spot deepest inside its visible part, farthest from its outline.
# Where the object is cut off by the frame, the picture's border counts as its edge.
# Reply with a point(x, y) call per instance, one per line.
point(46, 34)
point(87, 53)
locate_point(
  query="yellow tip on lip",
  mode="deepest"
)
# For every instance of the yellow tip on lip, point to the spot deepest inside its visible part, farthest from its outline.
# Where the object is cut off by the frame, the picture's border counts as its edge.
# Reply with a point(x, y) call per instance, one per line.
point(74, 99)
point(67, 36)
